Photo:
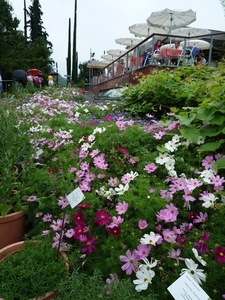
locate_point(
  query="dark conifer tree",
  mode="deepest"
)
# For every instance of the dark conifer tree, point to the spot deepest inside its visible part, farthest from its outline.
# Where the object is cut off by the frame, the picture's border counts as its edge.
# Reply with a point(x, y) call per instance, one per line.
point(68, 60)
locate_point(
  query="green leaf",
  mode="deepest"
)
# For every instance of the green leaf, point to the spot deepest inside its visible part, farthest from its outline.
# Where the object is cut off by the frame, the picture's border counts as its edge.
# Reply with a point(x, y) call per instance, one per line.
point(191, 133)
point(187, 119)
point(210, 147)
point(219, 164)
point(218, 119)
point(4, 209)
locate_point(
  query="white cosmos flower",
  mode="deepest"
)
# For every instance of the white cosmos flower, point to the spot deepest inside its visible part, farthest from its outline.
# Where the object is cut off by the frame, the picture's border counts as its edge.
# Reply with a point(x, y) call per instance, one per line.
point(149, 239)
point(176, 138)
point(144, 278)
point(198, 257)
point(132, 175)
point(207, 174)
point(122, 189)
point(209, 200)
point(200, 140)
point(171, 146)
point(148, 265)
point(162, 158)
point(196, 274)
point(169, 165)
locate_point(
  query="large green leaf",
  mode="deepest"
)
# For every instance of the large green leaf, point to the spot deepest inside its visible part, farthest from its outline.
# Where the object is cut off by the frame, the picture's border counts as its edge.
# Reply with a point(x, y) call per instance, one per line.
point(219, 164)
point(190, 133)
point(186, 119)
point(210, 147)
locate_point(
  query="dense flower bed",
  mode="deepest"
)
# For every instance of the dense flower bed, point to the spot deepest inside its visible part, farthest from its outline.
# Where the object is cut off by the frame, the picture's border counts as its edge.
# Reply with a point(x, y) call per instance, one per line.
point(153, 207)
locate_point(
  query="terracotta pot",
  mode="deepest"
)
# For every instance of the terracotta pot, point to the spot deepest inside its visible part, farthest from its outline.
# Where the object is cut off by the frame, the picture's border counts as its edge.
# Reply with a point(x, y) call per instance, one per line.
point(12, 228)
point(13, 248)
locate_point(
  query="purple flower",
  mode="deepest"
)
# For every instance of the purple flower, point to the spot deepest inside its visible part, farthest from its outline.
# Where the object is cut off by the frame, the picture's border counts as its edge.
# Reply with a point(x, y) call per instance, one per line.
point(130, 262)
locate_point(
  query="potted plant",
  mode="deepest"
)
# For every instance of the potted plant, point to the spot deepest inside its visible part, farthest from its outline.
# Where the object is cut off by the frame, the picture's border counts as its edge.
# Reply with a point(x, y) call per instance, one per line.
point(15, 153)
point(32, 270)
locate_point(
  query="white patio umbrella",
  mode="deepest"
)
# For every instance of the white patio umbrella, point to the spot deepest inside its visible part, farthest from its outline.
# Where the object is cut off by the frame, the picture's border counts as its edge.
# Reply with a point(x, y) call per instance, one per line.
point(190, 31)
point(116, 52)
point(131, 41)
point(145, 30)
point(200, 44)
point(108, 57)
point(98, 64)
point(171, 18)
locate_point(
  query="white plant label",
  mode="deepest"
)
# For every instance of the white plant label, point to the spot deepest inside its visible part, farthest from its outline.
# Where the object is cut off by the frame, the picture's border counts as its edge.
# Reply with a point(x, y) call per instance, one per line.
point(75, 197)
point(186, 288)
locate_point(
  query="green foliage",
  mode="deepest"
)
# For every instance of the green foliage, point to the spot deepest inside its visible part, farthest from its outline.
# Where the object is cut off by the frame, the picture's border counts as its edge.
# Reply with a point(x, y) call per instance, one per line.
point(15, 152)
point(31, 272)
point(83, 286)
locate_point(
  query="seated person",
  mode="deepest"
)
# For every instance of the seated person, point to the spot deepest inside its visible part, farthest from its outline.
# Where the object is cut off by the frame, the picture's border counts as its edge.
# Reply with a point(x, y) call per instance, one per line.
point(177, 46)
point(156, 48)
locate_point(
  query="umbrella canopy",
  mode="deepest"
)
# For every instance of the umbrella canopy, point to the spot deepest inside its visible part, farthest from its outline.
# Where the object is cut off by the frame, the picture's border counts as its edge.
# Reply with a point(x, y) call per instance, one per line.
point(128, 41)
point(116, 52)
point(19, 75)
point(34, 72)
point(202, 45)
point(145, 30)
point(190, 31)
point(171, 18)
point(108, 57)
point(98, 64)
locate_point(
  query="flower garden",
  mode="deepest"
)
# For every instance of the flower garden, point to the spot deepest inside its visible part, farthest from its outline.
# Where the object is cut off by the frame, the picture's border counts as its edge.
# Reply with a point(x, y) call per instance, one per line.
point(153, 206)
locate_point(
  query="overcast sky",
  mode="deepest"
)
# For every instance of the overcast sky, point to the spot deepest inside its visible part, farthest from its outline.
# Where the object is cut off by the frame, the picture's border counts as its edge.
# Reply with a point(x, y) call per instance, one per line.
point(100, 22)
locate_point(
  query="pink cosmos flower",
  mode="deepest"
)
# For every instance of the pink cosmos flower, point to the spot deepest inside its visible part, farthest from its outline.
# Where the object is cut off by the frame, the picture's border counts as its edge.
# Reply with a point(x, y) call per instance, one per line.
point(102, 218)
point(142, 251)
point(32, 199)
point(116, 221)
point(219, 254)
point(175, 254)
point(69, 233)
point(208, 162)
point(130, 262)
point(56, 225)
point(142, 224)
point(45, 232)
point(63, 202)
point(201, 218)
point(38, 215)
point(121, 208)
point(47, 218)
point(73, 169)
point(113, 182)
point(150, 168)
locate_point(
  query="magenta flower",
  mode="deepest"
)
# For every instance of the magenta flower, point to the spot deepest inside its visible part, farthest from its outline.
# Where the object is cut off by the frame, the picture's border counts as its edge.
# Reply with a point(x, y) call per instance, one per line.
point(200, 245)
point(121, 208)
point(80, 230)
point(220, 254)
point(78, 217)
point(142, 224)
point(102, 218)
point(115, 231)
point(130, 262)
point(89, 244)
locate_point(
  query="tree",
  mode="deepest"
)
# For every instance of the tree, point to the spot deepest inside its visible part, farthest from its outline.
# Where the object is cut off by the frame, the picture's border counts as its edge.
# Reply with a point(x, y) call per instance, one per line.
point(38, 40)
point(75, 54)
point(68, 60)
point(12, 41)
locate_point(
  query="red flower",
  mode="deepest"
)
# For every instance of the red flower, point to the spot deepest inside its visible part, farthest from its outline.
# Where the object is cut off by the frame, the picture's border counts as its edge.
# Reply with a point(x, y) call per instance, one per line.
point(84, 205)
point(80, 231)
point(115, 231)
point(220, 254)
point(102, 218)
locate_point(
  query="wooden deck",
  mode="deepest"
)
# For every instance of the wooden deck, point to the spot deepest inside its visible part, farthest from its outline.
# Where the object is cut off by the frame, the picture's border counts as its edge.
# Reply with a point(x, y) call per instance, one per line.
point(132, 77)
